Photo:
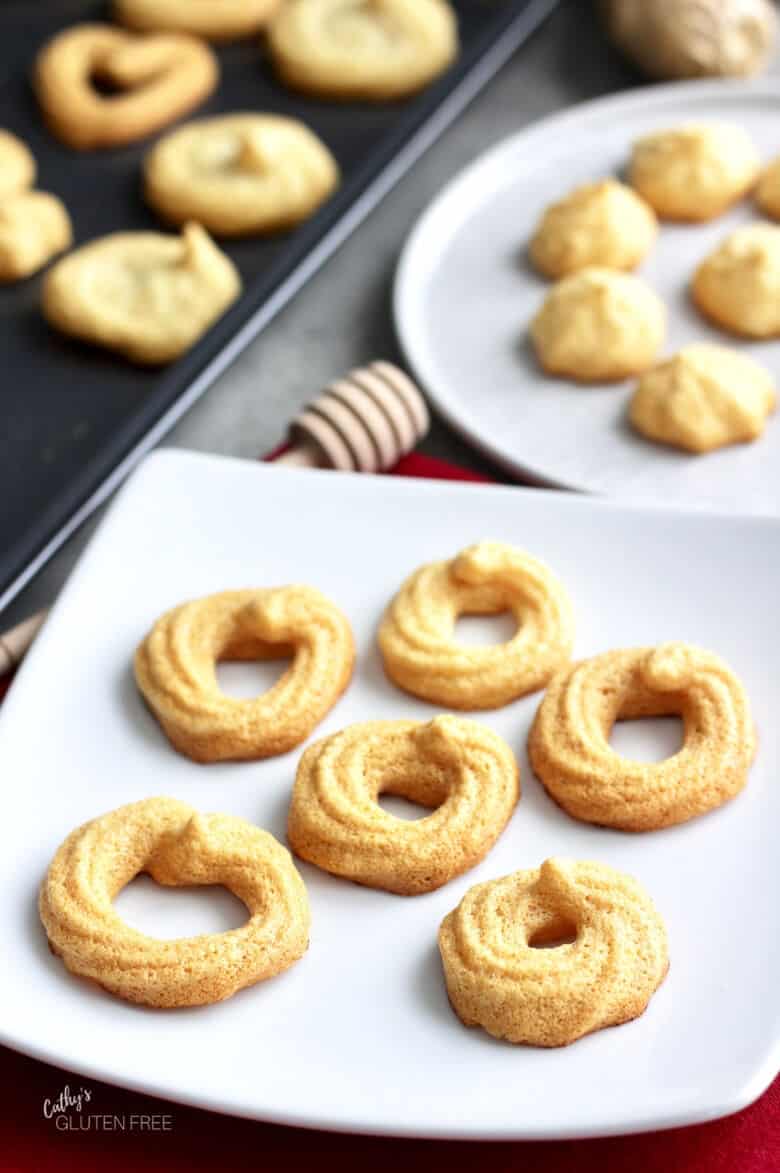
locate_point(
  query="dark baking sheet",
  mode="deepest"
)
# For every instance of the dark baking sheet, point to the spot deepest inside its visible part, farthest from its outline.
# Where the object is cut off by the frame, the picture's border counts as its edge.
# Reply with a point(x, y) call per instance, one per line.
point(74, 418)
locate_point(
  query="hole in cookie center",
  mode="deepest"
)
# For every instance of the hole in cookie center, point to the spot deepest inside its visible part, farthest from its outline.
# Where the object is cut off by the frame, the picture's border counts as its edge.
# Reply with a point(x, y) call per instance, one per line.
point(245, 679)
point(168, 913)
point(485, 630)
point(105, 85)
point(647, 739)
point(553, 935)
point(402, 808)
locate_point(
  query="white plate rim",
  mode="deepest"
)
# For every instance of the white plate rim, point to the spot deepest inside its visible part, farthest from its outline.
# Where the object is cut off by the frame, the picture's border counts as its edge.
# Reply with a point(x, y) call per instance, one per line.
point(412, 259)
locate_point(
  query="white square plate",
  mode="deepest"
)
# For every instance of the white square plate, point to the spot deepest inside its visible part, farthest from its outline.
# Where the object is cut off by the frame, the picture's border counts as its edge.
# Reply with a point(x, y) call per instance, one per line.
point(359, 1035)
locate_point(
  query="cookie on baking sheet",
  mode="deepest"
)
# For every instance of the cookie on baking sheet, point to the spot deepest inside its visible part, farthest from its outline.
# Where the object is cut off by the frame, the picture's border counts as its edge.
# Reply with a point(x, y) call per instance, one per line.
point(34, 227)
point(240, 174)
point(703, 398)
point(605, 224)
point(370, 50)
point(177, 846)
point(738, 285)
point(225, 20)
point(569, 740)
point(156, 78)
point(148, 296)
point(417, 632)
point(175, 669)
point(17, 165)
point(502, 972)
point(694, 172)
point(466, 774)
point(598, 326)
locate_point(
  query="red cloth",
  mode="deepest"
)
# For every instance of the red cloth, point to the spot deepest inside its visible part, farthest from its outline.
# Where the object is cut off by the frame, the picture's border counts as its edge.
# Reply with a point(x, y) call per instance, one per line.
point(746, 1143)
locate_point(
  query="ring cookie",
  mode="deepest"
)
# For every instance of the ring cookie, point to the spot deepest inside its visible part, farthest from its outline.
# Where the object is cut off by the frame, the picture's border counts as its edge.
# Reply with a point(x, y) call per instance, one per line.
point(17, 165)
point(610, 955)
point(370, 50)
point(569, 741)
point(146, 295)
point(176, 846)
point(422, 656)
point(604, 224)
point(175, 669)
point(227, 20)
point(465, 773)
point(34, 227)
point(240, 174)
point(737, 285)
point(158, 78)
point(694, 172)
point(704, 398)
point(598, 326)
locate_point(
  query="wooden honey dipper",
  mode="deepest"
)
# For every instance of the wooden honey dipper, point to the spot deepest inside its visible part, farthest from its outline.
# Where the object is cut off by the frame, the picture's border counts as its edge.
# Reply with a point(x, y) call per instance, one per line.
point(364, 422)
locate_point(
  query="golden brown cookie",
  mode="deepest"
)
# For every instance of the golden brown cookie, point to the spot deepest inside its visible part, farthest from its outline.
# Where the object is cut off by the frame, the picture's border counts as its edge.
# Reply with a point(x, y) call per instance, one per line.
point(569, 741)
point(175, 669)
point(17, 165)
point(604, 224)
point(34, 227)
point(694, 172)
point(705, 397)
point(176, 846)
point(416, 634)
point(548, 955)
point(225, 20)
point(768, 190)
point(157, 78)
point(598, 326)
point(148, 296)
point(370, 50)
point(738, 285)
point(240, 174)
point(462, 771)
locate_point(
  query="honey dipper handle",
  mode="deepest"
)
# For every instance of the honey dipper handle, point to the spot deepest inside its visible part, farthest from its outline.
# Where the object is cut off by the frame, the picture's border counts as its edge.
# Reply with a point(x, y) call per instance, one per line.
point(300, 456)
point(14, 643)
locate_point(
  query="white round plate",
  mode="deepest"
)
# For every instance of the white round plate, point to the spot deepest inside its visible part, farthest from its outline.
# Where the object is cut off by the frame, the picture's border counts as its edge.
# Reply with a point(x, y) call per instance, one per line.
point(465, 293)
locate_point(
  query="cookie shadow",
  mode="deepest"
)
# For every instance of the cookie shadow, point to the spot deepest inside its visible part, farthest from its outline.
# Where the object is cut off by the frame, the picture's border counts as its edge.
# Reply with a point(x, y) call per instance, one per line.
point(135, 711)
point(276, 822)
point(532, 376)
point(430, 990)
point(587, 62)
point(520, 260)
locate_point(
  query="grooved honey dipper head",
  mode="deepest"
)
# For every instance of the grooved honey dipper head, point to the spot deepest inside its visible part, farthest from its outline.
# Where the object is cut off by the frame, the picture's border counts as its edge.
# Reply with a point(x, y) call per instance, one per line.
point(366, 421)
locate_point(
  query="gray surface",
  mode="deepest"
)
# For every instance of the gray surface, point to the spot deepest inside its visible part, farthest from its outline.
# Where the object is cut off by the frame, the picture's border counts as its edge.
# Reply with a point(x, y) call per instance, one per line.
point(343, 316)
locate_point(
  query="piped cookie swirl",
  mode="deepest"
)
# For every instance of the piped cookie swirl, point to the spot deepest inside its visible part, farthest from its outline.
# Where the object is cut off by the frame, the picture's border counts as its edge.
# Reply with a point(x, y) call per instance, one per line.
point(569, 740)
point(175, 845)
point(462, 771)
point(417, 642)
point(547, 955)
point(175, 668)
